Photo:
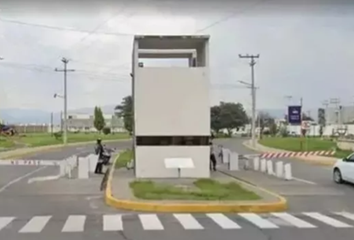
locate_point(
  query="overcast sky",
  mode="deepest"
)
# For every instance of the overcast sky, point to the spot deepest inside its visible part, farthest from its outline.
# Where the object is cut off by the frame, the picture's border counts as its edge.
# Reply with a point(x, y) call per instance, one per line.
point(306, 50)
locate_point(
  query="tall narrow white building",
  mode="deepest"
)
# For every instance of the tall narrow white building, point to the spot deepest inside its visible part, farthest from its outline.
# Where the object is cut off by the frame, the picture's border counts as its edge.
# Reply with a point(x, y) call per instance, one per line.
point(171, 106)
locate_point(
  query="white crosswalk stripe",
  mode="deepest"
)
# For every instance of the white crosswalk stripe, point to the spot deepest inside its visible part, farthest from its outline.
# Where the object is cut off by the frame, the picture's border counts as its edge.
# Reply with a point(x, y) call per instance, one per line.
point(188, 221)
point(183, 221)
point(74, 223)
point(258, 221)
point(223, 221)
point(112, 222)
point(297, 222)
point(346, 215)
point(35, 225)
point(327, 220)
point(4, 221)
point(150, 222)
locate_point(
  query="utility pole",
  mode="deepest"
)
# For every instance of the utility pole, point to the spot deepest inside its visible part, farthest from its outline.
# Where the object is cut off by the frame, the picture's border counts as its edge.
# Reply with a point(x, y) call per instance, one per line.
point(253, 89)
point(65, 70)
point(335, 101)
point(325, 104)
point(61, 121)
point(51, 123)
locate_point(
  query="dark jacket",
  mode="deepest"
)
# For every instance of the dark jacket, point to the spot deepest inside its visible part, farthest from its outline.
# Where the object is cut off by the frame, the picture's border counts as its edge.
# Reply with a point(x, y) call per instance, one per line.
point(99, 150)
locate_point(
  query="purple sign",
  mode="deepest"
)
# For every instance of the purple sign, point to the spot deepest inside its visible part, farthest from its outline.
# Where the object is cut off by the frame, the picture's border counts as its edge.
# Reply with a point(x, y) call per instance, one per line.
point(294, 115)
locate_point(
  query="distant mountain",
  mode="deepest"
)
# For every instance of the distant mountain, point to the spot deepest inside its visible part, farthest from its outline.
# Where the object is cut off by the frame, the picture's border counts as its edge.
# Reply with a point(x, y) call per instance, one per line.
point(30, 116)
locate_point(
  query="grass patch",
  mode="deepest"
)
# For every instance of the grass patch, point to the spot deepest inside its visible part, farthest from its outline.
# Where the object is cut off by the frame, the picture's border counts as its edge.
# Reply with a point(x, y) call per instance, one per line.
point(45, 139)
point(298, 144)
point(123, 158)
point(203, 189)
point(6, 143)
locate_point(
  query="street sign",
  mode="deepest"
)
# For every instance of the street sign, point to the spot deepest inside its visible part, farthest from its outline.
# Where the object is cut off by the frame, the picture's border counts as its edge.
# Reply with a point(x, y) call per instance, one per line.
point(294, 115)
point(179, 163)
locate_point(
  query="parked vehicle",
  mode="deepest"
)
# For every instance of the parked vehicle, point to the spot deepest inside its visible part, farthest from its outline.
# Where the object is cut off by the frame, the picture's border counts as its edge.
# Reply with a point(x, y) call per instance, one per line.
point(7, 130)
point(343, 170)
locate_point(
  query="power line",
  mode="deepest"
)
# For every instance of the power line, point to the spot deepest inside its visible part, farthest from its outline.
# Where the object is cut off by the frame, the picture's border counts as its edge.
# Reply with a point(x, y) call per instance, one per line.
point(63, 28)
point(230, 16)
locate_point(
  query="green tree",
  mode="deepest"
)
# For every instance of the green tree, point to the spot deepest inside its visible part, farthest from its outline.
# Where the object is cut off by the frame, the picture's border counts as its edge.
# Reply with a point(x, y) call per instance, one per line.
point(266, 121)
point(98, 121)
point(215, 119)
point(125, 111)
point(232, 115)
point(306, 117)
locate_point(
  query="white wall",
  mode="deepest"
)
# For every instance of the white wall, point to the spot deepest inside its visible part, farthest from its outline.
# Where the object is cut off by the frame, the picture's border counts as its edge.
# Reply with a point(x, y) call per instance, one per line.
point(150, 161)
point(171, 101)
point(314, 130)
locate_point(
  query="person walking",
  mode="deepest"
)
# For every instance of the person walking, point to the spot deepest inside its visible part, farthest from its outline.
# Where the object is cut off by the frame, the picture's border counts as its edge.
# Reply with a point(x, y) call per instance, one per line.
point(212, 157)
point(99, 151)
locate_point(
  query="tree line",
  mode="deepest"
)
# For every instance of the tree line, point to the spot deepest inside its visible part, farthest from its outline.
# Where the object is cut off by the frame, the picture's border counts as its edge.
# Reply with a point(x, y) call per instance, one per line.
point(226, 115)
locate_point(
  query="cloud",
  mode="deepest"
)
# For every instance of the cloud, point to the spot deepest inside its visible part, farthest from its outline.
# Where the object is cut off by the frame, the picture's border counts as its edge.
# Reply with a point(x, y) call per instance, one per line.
point(306, 55)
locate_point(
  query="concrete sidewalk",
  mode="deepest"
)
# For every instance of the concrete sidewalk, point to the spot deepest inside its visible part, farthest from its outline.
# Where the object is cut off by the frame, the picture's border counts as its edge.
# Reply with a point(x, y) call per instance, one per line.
point(280, 186)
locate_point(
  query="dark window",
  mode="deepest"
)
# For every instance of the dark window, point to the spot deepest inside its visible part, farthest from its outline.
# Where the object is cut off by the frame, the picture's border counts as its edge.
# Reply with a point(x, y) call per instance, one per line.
point(172, 140)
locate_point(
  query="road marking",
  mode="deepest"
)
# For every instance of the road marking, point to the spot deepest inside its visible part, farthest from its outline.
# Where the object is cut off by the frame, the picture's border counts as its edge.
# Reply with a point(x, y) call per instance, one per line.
point(21, 178)
point(150, 222)
point(4, 221)
point(35, 225)
point(188, 221)
point(74, 223)
point(304, 181)
point(297, 222)
point(258, 221)
point(112, 222)
point(327, 220)
point(223, 221)
point(346, 215)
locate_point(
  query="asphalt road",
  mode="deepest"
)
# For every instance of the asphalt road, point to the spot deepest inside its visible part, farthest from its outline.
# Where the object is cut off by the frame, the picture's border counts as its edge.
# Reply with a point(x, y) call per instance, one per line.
point(73, 209)
point(59, 198)
point(84, 150)
point(324, 194)
point(167, 226)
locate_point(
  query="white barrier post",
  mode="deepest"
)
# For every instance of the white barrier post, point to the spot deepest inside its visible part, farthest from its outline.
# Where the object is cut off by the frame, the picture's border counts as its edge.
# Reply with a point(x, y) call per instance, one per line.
point(83, 171)
point(270, 167)
point(279, 168)
point(226, 155)
point(62, 166)
point(234, 162)
point(92, 162)
point(263, 165)
point(256, 163)
point(287, 171)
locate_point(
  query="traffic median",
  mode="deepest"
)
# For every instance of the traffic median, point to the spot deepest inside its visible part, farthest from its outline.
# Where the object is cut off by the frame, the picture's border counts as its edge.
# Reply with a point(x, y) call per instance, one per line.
point(220, 193)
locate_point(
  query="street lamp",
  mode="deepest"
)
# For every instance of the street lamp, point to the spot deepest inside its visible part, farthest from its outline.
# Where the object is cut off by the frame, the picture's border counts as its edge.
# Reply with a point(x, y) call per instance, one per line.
point(253, 124)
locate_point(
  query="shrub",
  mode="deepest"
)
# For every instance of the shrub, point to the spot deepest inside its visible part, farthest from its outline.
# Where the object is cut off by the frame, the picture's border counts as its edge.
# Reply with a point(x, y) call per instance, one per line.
point(106, 131)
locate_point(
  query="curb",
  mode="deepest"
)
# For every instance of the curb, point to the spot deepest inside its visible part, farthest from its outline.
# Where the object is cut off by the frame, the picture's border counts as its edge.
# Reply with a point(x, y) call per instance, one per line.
point(43, 149)
point(110, 200)
point(329, 162)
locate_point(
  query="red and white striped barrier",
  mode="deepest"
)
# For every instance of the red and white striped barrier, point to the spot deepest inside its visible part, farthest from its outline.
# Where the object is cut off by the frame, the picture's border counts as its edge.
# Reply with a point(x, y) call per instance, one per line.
point(295, 154)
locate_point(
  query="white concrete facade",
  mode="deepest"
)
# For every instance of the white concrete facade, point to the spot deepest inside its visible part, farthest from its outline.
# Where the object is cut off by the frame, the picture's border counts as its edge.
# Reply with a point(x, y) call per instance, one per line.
point(171, 102)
